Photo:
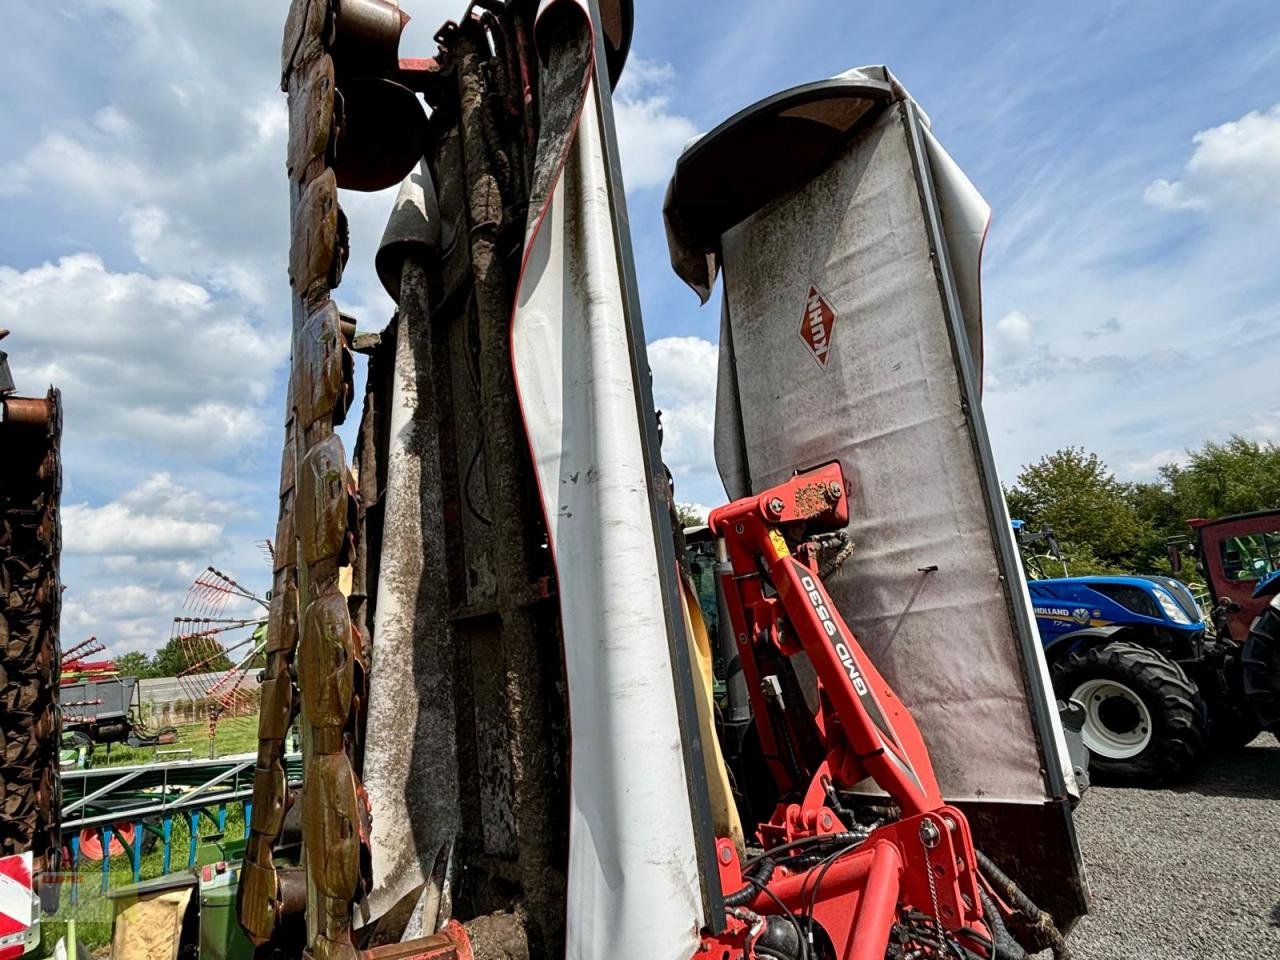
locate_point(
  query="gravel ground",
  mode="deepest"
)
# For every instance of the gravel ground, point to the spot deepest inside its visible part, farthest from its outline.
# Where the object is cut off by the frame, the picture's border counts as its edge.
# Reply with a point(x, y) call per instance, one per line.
point(1187, 873)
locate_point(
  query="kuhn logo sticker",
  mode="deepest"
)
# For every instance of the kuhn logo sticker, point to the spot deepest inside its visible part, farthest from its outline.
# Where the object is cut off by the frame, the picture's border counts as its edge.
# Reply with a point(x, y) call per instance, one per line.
point(818, 326)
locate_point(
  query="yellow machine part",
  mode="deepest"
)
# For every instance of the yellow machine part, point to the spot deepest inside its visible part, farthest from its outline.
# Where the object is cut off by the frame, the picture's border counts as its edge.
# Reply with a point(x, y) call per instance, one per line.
point(724, 812)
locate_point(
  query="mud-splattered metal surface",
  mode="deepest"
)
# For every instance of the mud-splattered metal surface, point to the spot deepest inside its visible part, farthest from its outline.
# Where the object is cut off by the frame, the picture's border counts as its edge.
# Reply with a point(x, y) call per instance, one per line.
point(30, 603)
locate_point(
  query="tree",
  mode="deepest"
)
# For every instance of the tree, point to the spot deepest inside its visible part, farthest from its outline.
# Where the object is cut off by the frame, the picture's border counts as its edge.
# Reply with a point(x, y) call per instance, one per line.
point(1076, 494)
point(1220, 479)
point(690, 515)
point(135, 663)
point(175, 657)
point(1108, 526)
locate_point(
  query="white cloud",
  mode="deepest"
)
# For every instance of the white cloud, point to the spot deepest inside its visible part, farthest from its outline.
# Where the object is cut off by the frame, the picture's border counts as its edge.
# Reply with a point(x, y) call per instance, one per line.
point(125, 619)
point(159, 494)
point(115, 529)
point(1148, 467)
point(141, 359)
point(1235, 165)
point(650, 135)
point(1013, 333)
point(128, 563)
point(132, 601)
point(684, 389)
point(185, 149)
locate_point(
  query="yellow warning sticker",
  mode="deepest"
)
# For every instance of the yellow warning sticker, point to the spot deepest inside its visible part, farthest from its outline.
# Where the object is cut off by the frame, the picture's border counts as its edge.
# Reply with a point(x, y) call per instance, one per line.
point(779, 544)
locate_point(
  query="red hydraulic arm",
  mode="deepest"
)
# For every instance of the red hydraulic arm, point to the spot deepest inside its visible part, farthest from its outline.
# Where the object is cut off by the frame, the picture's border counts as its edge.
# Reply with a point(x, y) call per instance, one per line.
point(909, 885)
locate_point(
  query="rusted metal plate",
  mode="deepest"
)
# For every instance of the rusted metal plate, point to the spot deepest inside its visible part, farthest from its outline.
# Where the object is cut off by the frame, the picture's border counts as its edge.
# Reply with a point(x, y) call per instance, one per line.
point(269, 792)
point(319, 361)
point(330, 823)
point(314, 256)
point(311, 116)
point(257, 900)
point(326, 667)
point(30, 600)
point(276, 707)
point(31, 412)
point(307, 31)
point(282, 620)
point(322, 501)
point(288, 463)
point(286, 537)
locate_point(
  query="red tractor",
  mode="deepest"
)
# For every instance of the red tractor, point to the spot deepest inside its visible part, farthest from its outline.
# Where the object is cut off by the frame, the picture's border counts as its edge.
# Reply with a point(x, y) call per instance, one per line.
point(1233, 554)
point(1239, 557)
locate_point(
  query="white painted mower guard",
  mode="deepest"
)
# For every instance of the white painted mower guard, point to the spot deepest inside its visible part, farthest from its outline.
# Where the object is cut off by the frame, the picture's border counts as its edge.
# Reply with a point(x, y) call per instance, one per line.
point(897, 403)
point(633, 885)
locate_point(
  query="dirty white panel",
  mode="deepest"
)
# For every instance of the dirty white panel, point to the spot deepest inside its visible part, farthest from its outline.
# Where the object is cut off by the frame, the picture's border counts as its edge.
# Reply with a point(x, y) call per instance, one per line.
point(633, 885)
point(878, 387)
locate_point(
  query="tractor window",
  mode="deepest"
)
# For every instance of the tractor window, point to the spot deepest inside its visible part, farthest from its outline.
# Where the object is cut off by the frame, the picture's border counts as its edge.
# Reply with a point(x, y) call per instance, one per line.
point(1250, 556)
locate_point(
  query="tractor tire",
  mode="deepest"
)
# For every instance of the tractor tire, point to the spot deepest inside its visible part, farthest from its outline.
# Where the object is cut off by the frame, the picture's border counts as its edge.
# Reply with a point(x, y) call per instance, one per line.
point(1232, 726)
point(1233, 723)
point(1260, 666)
point(1145, 723)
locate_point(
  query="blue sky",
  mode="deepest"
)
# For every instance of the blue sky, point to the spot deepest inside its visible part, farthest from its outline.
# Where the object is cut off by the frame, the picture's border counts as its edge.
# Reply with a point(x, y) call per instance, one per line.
point(1130, 152)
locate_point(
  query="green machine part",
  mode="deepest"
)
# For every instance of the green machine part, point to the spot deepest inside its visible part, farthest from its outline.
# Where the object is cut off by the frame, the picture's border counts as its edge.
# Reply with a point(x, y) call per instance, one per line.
point(221, 937)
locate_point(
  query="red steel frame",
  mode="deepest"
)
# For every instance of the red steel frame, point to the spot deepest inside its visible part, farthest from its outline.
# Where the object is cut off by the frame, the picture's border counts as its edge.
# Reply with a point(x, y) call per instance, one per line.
point(779, 608)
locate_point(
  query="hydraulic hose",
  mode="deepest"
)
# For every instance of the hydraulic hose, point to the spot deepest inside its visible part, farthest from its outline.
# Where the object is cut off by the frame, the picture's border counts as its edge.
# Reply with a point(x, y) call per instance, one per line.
point(1003, 946)
point(758, 878)
point(1042, 924)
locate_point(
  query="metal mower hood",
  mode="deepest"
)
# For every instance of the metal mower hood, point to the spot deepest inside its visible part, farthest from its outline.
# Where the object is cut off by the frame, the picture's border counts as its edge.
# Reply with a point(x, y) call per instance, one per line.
point(849, 242)
point(778, 144)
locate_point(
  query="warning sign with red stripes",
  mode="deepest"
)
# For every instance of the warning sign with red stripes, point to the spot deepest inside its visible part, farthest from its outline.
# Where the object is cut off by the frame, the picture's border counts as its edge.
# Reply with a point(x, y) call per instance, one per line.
point(17, 906)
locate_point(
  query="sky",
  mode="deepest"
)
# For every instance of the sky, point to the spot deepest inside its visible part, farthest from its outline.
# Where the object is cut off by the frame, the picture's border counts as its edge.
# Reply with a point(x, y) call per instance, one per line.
point(1130, 152)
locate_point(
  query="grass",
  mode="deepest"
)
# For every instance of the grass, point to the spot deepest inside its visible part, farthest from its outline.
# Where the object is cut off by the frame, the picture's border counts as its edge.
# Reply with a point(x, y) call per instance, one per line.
point(233, 735)
point(93, 912)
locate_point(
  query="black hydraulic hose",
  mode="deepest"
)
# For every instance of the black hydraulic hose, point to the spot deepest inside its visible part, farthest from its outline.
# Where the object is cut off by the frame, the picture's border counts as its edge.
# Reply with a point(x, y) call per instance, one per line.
point(846, 836)
point(760, 877)
point(1003, 946)
point(1041, 922)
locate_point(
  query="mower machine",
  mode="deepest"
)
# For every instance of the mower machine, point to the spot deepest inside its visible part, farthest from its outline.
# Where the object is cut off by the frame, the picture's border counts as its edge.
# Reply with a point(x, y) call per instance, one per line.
point(510, 739)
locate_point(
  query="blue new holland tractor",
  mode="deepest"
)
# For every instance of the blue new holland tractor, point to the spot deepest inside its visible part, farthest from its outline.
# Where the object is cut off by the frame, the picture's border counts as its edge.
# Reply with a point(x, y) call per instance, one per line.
point(1133, 651)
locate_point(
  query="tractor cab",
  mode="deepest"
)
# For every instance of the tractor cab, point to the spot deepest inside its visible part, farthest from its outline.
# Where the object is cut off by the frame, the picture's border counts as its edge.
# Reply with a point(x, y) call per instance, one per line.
point(1234, 554)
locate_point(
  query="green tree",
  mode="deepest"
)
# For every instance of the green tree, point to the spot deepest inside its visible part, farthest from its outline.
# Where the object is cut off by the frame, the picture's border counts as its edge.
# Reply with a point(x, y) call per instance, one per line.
point(135, 663)
point(1105, 525)
point(1219, 479)
point(175, 657)
point(1075, 493)
point(689, 515)
point(1158, 511)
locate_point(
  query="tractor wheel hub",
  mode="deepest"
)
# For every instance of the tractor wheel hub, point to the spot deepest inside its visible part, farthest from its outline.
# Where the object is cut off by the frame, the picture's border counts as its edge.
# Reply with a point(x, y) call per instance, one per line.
point(1117, 723)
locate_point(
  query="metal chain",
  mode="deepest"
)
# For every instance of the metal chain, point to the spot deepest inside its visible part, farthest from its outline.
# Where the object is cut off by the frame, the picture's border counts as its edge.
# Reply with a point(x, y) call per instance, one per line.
point(927, 828)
